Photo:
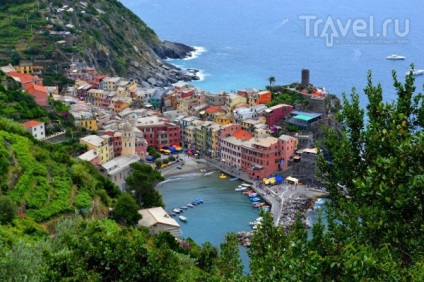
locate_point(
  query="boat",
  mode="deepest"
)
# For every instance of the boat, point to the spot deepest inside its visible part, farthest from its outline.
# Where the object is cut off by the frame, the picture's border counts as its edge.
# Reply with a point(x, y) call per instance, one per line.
point(176, 210)
point(190, 205)
point(266, 208)
point(395, 57)
point(252, 195)
point(183, 218)
point(256, 221)
point(415, 72)
point(233, 179)
point(222, 176)
point(203, 170)
point(256, 199)
point(239, 189)
point(258, 205)
point(172, 214)
point(198, 201)
point(184, 207)
point(248, 192)
point(179, 167)
point(246, 184)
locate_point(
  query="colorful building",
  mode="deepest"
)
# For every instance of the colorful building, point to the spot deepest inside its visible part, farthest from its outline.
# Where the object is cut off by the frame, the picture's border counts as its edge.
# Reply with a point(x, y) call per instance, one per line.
point(102, 145)
point(36, 128)
point(277, 113)
point(266, 156)
point(159, 131)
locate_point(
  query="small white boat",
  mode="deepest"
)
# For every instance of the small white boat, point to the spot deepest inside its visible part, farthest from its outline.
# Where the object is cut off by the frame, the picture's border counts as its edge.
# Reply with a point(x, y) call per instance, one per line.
point(246, 184)
point(184, 207)
point(415, 72)
point(190, 206)
point(256, 221)
point(183, 218)
point(395, 57)
point(239, 189)
point(176, 210)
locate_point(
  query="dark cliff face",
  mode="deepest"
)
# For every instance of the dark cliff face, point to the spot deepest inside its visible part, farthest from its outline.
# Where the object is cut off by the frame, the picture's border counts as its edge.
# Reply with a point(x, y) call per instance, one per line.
point(102, 33)
point(172, 50)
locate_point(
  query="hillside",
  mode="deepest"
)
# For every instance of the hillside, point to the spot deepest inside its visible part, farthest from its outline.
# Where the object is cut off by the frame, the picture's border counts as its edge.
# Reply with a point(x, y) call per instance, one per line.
point(101, 33)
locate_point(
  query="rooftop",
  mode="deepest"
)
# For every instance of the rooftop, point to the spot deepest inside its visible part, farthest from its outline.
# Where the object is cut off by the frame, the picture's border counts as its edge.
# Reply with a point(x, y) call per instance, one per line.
point(93, 139)
point(156, 215)
point(118, 164)
point(32, 123)
point(88, 156)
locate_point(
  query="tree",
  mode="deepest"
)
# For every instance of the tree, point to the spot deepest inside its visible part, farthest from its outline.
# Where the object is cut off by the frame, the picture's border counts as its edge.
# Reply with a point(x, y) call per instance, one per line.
point(375, 176)
point(229, 260)
point(7, 209)
point(271, 80)
point(208, 256)
point(126, 210)
point(143, 179)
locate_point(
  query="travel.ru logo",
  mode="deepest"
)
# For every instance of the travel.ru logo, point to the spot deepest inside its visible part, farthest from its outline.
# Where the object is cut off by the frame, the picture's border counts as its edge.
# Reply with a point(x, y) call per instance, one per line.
point(356, 31)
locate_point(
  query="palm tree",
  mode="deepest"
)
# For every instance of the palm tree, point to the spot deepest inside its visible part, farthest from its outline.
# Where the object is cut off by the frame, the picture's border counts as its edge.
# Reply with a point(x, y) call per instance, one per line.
point(271, 80)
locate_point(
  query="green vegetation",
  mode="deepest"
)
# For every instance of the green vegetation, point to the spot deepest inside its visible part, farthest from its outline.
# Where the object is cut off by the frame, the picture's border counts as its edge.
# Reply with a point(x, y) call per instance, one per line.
point(126, 210)
point(141, 183)
point(27, 30)
point(283, 95)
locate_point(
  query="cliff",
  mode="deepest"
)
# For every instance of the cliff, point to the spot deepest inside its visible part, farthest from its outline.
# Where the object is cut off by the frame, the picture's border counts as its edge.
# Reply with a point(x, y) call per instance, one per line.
point(103, 33)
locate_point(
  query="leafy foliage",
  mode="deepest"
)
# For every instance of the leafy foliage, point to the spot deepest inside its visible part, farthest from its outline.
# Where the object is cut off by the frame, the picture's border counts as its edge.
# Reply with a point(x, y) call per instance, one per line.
point(7, 209)
point(141, 182)
point(126, 210)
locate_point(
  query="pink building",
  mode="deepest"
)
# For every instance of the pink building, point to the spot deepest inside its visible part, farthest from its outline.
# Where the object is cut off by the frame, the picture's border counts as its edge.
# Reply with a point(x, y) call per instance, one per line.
point(277, 113)
point(267, 155)
point(230, 148)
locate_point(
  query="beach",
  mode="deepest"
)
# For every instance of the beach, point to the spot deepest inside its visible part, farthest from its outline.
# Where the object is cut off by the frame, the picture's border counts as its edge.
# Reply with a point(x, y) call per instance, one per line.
point(191, 165)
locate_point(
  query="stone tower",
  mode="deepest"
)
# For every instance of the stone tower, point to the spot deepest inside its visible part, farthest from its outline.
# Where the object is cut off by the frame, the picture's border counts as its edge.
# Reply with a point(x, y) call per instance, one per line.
point(128, 140)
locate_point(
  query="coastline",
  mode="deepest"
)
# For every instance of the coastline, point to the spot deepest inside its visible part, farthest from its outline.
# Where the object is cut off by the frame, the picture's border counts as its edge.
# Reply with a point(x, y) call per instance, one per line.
point(190, 166)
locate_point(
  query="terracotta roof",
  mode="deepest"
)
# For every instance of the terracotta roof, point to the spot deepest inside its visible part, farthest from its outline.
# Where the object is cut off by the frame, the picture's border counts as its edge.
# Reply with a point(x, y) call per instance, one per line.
point(31, 88)
point(243, 134)
point(31, 123)
point(23, 78)
point(214, 109)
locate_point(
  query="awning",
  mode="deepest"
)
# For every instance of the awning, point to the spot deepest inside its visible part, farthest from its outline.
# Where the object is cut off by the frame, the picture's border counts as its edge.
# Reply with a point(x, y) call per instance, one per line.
point(292, 180)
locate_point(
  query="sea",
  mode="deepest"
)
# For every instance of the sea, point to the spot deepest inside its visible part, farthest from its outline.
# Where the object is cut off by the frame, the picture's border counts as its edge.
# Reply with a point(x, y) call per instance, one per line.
point(240, 44)
point(223, 210)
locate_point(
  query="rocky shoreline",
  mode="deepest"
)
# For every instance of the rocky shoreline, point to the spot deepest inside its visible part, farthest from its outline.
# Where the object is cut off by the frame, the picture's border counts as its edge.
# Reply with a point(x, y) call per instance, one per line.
point(159, 73)
point(293, 207)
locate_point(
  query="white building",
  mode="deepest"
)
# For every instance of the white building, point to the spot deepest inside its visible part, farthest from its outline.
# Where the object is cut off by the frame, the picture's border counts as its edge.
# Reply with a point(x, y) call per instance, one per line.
point(36, 128)
point(157, 220)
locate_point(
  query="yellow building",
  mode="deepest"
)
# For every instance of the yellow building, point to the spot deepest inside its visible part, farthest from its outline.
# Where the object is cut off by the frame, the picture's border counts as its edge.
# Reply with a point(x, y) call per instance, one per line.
point(102, 145)
point(224, 119)
point(234, 99)
point(89, 124)
point(27, 67)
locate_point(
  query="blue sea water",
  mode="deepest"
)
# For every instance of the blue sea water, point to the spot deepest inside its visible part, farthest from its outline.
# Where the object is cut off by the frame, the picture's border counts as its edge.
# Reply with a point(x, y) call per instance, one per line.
point(245, 42)
point(223, 210)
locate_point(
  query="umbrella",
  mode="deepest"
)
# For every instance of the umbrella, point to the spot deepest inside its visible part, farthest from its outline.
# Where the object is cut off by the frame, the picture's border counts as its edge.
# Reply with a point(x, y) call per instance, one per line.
point(279, 179)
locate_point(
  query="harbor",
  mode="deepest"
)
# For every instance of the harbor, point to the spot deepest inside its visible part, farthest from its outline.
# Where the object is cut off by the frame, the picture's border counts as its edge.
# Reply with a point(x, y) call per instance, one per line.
point(286, 200)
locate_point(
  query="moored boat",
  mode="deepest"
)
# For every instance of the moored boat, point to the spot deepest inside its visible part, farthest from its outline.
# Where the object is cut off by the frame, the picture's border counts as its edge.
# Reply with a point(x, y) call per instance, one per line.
point(255, 199)
point(183, 218)
point(222, 176)
point(190, 205)
point(233, 179)
point(176, 210)
point(239, 189)
point(246, 184)
point(252, 195)
point(184, 207)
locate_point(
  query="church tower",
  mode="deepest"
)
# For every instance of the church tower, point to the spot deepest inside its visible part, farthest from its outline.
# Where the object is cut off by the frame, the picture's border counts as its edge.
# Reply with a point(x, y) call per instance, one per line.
point(128, 140)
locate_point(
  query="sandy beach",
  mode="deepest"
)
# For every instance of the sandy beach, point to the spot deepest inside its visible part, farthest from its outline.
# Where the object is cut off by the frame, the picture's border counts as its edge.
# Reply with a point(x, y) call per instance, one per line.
point(190, 166)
